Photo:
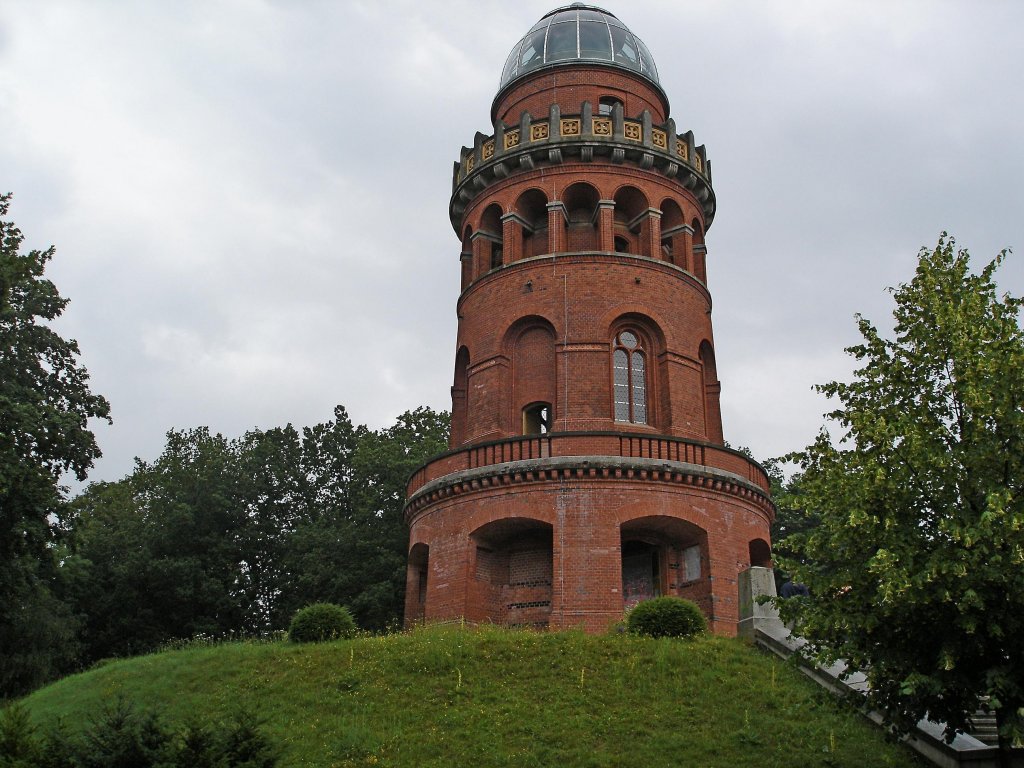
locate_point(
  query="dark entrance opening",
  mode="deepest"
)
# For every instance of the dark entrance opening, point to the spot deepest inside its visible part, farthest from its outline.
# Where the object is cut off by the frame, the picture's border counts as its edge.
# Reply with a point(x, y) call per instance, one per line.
point(641, 572)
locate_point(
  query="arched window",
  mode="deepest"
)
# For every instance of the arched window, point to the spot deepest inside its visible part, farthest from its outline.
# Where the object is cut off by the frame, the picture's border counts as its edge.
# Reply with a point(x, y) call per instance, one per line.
point(536, 418)
point(629, 368)
point(606, 104)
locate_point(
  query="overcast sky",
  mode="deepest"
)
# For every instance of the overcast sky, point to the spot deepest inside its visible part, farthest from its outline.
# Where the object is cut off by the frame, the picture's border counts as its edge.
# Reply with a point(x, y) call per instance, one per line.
point(249, 199)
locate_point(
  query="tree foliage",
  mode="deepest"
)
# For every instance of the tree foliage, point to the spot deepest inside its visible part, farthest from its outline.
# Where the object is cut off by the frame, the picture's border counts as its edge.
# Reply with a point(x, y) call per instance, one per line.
point(916, 563)
point(45, 405)
point(220, 536)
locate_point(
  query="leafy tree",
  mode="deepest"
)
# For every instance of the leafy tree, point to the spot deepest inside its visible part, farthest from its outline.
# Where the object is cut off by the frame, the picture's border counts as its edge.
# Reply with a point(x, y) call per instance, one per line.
point(45, 405)
point(916, 566)
point(219, 536)
point(355, 553)
point(159, 555)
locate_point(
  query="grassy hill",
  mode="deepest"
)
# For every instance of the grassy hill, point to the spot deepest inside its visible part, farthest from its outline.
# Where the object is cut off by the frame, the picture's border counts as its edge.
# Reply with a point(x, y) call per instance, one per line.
point(492, 697)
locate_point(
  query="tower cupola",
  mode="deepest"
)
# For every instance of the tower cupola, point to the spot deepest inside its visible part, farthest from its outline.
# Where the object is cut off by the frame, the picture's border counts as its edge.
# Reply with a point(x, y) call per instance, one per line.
point(578, 33)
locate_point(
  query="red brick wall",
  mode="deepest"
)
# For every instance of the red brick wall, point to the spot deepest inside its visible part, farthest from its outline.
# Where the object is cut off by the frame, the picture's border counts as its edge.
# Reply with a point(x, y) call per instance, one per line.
point(582, 297)
point(540, 328)
point(586, 515)
point(569, 87)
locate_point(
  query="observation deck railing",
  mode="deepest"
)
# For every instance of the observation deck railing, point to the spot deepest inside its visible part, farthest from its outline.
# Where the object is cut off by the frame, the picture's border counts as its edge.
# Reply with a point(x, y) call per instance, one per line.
point(590, 444)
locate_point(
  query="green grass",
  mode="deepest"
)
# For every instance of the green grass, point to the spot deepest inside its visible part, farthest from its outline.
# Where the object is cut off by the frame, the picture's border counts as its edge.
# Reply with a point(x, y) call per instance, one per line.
point(491, 697)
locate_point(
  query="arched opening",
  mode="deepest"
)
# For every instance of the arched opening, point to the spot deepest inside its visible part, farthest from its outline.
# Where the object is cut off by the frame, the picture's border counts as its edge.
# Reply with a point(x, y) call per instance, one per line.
point(460, 391)
point(580, 202)
point(513, 570)
point(632, 219)
point(672, 233)
point(416, 583)
point(532, 208)
point(536, 418)
point(760, 554)
point(533, 373)
point(712, 391)
point(606, 105)
point(492, 250)
point(664, 555)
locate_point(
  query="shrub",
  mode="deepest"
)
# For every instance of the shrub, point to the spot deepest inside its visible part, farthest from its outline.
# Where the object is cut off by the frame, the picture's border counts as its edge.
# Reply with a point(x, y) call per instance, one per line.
point(122, 736)
point(321, 621)
point(666, 617)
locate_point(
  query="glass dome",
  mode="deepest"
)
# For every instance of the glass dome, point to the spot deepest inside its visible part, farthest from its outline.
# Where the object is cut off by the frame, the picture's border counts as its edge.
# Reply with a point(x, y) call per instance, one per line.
point(578, 33)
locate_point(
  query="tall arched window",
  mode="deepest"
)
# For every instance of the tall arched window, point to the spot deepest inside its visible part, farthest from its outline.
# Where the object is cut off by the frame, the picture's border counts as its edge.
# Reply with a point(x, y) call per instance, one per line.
point(630, 378)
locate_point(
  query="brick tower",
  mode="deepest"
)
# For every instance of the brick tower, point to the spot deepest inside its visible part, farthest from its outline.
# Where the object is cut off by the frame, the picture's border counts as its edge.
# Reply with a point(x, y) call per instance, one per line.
point(586, 470)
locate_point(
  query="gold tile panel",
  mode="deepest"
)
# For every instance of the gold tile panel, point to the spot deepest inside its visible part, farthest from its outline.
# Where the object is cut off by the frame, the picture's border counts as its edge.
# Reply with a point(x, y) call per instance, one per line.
point(633, 132)
point(538, 132)
point(659, 138)
point(602, 126)
point(571, 127)
point(487, 150)
point(511, 139)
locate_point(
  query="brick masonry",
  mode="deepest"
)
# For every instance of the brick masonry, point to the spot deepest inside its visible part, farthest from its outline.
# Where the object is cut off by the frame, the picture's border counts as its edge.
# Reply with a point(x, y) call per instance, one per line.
point(552, 508)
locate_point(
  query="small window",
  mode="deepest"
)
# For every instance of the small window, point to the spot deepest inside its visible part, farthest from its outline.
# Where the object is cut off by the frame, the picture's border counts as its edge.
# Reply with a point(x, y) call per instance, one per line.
point(621, 245)
point(606, 104)
point(497, 255)
point(630, 378)
point(691, 563)
point(536, 418)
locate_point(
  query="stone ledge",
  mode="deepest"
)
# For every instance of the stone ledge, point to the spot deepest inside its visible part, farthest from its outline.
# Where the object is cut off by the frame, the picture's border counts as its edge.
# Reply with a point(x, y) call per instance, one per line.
point(547, 469)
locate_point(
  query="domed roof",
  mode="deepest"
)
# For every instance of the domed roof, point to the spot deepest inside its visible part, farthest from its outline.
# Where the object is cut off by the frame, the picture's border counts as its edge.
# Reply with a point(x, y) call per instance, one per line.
point(578, 33)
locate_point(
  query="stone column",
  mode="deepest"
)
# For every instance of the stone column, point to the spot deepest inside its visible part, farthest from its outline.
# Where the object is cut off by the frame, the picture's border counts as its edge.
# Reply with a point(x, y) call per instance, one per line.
point(512, 240)
point(557, 219)
point(606, 225)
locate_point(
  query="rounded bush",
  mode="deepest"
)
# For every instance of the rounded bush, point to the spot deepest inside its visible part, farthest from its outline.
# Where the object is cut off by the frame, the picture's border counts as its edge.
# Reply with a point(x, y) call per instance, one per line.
point(666, 617)
point(321, 621)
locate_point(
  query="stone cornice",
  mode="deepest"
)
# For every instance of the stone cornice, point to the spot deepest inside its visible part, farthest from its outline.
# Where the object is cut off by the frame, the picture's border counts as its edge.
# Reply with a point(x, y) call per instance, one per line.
point(586, 468)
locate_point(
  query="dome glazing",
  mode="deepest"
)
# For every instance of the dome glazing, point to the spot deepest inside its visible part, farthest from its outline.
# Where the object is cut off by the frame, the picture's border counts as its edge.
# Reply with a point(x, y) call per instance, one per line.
point(578, 33)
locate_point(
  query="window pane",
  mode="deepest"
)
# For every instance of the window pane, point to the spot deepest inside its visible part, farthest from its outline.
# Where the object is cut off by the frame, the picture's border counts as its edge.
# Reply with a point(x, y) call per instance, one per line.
point(639, 389)
point(510, 65)
point(648, 62)
point(594, 41)
point(691, 563)
point(625, 48)
point(561, 42)
point(532, 51)
point(627, 339)
point(621, 389)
